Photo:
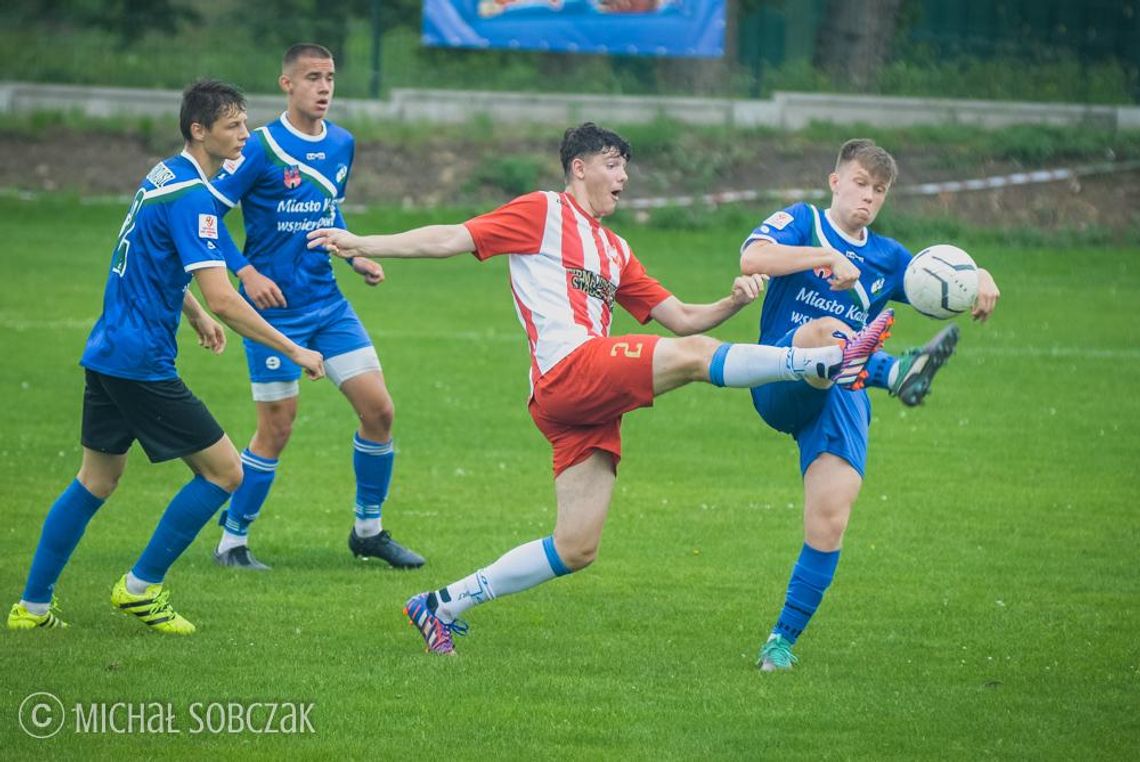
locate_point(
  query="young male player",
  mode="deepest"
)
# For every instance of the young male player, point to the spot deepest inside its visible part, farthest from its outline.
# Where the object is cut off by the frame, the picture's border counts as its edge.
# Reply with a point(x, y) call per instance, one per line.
point(133, 391)
point(290, 179)
point(567, 271)
point(829, 272)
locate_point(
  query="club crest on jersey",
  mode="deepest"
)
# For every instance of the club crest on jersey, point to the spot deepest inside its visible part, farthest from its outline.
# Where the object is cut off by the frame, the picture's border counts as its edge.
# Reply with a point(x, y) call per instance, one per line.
point(779, 220)
point(341, 173)
point(292, 176)
point(877, 286)
point(208, 226)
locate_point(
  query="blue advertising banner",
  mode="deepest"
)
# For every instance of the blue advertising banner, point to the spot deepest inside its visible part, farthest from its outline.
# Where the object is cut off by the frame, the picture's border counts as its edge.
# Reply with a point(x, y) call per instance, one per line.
point(626, 27)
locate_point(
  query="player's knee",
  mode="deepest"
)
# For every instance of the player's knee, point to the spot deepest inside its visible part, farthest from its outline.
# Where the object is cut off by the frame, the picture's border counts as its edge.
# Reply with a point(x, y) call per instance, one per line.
point(273, 434)
point(696, 354)
point(379, 417)
point(228, 475)
point(576, 552)
point(99, 485)
point(819, 332)
point(579, 557)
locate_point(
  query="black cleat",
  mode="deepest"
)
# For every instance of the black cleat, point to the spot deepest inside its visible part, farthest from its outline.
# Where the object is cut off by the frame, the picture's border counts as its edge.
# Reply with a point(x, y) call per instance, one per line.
point(382, 546)
point(918, 366)
point(240, 557)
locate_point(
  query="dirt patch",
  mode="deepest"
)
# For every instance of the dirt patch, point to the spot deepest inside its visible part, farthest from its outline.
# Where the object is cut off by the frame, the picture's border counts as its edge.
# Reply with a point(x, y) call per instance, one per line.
point(442, 172)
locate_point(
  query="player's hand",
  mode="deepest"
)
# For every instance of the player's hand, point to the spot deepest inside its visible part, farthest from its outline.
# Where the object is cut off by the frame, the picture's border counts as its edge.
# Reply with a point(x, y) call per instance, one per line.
point(987, 298)
point(844, 274)
point(747, 288)
point(369, 269)
point(211, 335)
point(311, 361)
point(338, 242)
point(262, 291)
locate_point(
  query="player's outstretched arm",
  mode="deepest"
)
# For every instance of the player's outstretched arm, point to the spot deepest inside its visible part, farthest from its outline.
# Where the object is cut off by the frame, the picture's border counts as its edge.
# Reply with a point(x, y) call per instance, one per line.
point(685, 319)
point(235, 312)
point(987, 298)
point(775, 259)
point(429, 242)
point(211, 335)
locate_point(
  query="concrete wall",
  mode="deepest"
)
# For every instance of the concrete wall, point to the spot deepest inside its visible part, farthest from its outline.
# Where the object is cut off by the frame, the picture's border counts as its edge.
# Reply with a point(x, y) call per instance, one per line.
point(783, 110)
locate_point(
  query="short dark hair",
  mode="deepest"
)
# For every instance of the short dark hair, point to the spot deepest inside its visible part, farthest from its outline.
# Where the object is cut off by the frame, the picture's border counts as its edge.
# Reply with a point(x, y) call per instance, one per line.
point(304, 50)
point(588, 139)
point(206, 101)
point(873, 158)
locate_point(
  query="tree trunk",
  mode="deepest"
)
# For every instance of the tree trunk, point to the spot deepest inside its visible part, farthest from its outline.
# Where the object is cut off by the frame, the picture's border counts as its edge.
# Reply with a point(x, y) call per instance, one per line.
point(854, 39)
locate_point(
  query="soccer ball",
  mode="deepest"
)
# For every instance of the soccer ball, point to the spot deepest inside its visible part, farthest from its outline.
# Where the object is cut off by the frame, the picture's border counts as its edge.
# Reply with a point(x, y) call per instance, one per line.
point(941, 281)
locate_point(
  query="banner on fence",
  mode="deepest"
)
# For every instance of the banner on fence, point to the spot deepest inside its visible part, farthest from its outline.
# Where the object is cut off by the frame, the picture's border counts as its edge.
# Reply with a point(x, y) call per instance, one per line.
point(625, 27)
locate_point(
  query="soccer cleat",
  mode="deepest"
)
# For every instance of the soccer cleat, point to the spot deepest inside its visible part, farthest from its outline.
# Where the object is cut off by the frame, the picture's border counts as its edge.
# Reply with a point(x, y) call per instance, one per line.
point(435, 632)
point(917, 366)
point(19, 618)
point(852, 373)
point(152, 608)
point(240, 557)
point(384, 547)
point(776, 655)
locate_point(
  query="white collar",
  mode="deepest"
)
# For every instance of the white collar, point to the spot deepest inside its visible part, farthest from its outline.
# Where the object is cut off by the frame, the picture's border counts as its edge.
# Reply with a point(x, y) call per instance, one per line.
point(861, 241)
point(311, 138)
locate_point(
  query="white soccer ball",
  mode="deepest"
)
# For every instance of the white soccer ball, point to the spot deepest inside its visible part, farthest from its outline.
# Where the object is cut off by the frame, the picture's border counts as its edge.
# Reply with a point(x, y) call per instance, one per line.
point(941, 281)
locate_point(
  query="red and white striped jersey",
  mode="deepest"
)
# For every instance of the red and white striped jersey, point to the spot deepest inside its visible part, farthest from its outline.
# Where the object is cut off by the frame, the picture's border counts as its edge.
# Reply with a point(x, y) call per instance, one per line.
point(567, 270)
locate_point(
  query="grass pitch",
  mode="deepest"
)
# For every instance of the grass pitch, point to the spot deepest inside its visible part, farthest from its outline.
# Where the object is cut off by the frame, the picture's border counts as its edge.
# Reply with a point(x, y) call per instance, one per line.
point(987, 603)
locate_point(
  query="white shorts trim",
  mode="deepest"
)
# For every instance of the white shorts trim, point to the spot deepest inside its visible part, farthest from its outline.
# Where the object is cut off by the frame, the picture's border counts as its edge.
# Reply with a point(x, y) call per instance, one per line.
point(351, 364)
point(274, 391)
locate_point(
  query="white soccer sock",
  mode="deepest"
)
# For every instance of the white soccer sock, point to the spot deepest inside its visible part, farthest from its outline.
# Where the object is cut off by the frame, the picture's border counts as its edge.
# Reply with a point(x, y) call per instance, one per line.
point(748, 365)
point(35, 609)
point(519, 569)
point(136, 586)
point(230, 540)
point(367, 527)
point(814, 362)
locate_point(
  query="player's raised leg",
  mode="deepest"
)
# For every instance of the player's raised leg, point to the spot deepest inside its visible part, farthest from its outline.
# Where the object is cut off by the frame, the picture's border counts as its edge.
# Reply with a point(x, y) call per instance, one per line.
point(62, 530)
point(276, 404)
point(836, 357)
point(909, 376)
point(217, 473)
point(373, 459)
point(831, 486)
point(583, 492)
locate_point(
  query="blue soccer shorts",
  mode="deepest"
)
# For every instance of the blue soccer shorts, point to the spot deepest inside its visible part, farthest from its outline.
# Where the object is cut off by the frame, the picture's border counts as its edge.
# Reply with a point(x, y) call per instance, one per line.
point(834, 420)
point(333, 329)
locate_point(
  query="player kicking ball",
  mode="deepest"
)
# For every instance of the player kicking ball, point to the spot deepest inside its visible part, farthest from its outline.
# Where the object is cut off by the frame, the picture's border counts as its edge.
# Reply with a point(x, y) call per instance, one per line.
point(567, 272)
point(171, 236)
point(829, 272)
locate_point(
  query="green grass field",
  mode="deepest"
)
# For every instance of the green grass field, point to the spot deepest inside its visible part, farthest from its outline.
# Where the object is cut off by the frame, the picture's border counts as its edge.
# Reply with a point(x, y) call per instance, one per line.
point(987, 605)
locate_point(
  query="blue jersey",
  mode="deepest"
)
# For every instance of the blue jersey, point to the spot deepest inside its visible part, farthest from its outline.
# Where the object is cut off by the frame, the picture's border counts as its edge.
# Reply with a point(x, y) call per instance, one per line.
point(794, 299)
point(289, 183)
point(171, 229)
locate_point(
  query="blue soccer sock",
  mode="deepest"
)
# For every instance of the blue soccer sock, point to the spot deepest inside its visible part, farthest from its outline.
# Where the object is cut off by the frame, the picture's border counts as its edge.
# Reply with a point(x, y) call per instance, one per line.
point(62, 530)
point(245, 506)
point(372, 462)
point(189, 511)
point(516, 570)
point(811, 575)
point(879, 367)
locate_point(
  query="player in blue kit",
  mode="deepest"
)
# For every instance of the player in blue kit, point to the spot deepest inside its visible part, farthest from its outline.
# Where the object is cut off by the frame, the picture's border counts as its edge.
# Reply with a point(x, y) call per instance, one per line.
point(831, 274)
point(172, 234)
point(291, 179)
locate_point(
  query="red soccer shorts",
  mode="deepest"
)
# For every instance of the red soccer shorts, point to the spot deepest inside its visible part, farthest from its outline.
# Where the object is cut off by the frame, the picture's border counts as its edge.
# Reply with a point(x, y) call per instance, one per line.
point(578, 404)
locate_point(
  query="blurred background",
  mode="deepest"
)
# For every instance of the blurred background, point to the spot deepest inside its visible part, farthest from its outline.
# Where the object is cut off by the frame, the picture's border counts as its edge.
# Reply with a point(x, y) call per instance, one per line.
point(1085, 51)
